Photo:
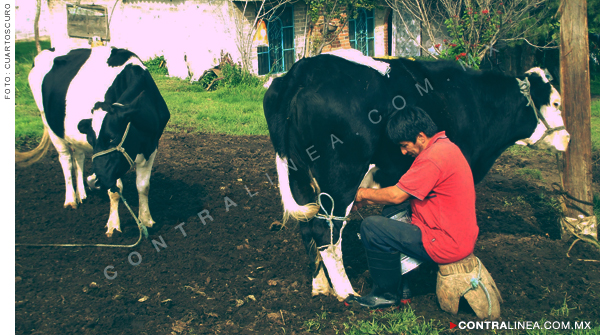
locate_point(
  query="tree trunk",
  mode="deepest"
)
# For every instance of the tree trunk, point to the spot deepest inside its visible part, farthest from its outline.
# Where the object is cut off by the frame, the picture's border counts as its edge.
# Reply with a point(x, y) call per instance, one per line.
point(36, 26)
point(575, 87)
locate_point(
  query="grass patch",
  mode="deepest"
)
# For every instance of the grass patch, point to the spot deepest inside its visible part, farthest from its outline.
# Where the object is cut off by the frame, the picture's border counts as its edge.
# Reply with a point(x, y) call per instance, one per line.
point(595, 125)
point(595, 87)
point(27, 115)
point(597, 205)
point(157, 66)
point(531, 173)
point(392, 321)
point(519, 150)
point(228, 110)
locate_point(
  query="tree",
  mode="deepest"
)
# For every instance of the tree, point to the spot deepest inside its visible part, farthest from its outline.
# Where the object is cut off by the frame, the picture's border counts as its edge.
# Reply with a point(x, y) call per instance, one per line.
point(470, 28)
point(575, 87)
point(36, 26)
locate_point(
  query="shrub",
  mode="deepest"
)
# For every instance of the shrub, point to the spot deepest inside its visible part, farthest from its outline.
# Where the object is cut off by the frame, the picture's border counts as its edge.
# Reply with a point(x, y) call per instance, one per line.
point(235, 76)
point(157, 65)
point(232, 75)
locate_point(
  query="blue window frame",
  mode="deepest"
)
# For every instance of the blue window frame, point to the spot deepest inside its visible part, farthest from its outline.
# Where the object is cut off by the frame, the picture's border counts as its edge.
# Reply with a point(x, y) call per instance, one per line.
point(361, 32)
point(279, 56)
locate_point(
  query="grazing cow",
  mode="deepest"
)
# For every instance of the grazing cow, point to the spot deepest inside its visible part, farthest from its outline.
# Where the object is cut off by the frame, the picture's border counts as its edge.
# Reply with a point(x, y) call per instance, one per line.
point(99, 101)
point(327, 118)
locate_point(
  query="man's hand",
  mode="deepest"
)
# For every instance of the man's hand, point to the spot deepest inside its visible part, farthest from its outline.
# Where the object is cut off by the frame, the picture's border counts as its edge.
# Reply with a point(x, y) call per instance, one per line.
point(387, 196)
point(358, 197)
point(359, 201)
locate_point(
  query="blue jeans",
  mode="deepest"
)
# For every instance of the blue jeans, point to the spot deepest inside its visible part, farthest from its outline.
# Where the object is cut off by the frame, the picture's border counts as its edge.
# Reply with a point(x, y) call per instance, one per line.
point(379, 233)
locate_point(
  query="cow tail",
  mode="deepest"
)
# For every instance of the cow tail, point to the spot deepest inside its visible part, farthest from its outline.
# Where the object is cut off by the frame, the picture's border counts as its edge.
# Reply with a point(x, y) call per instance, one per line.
point(24, 159)
point(290, 207)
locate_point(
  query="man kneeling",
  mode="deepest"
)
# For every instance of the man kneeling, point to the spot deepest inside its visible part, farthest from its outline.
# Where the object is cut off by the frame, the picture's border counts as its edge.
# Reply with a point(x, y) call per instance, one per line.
point(440, 187)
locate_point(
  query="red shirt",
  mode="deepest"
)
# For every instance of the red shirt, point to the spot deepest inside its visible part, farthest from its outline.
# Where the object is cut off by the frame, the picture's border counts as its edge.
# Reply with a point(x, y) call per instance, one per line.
point(444, 209)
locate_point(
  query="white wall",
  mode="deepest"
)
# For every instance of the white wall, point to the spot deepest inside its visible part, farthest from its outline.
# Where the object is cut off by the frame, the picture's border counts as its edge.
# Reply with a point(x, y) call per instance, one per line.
point(193, 29)
point(25, 17)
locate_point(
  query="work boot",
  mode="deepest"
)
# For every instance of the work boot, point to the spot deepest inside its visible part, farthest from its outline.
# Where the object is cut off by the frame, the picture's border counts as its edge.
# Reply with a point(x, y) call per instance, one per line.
point(385, 272)
point(406, 293)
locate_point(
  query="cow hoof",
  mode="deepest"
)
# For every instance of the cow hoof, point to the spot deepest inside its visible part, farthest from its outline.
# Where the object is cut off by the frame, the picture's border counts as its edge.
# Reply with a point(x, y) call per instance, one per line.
point(91, 182)
point(109, 232)
point(71, 204)
point(326, 290)
point(148, 224)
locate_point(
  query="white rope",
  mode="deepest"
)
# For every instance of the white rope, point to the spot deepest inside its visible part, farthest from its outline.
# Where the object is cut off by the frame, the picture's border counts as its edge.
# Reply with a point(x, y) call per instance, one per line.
point(141, 227)
point(119, 148)
point(524, 87)
point(330, 217)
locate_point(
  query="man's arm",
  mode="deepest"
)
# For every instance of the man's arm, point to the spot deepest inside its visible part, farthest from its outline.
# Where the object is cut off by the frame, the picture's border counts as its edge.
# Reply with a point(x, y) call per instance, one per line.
point(392, 195)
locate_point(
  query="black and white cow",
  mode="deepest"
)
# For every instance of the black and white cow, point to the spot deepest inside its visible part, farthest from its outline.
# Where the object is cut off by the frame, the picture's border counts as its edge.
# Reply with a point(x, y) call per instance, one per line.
point(327, 118)
point(89, 99)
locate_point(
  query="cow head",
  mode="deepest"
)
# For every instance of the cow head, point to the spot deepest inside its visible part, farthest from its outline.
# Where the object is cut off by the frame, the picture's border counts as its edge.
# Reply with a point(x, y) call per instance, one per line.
point(107, 131)
point(549, 133)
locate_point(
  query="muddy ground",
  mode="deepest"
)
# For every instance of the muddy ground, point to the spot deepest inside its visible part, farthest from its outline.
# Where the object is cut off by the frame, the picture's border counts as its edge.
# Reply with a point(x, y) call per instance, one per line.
point(234, 275)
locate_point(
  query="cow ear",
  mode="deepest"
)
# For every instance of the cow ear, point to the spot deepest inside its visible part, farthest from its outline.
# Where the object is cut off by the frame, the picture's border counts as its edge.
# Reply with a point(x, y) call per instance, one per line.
point(85, 127)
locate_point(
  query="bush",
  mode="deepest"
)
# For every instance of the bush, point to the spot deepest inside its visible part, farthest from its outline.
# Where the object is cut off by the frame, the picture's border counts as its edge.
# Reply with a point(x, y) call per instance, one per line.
point(207, 79)
point(157, 65)
point(233, 75)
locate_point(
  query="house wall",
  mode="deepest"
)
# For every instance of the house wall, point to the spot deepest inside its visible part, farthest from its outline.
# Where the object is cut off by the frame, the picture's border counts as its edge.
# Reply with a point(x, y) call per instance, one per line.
point(191, 34)
point(195, 30)
point(25, 17)
point(380, 34)
point(300, 22)
point(299, 33)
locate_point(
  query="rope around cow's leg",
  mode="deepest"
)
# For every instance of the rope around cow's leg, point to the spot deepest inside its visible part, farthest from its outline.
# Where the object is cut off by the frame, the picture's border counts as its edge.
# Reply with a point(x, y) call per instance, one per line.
point(141, 227)
point(330, 217)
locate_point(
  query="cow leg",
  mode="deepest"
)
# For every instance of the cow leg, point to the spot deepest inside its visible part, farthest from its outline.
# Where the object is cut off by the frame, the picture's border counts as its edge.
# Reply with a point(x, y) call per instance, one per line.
point(91, 181)
point(302, 189)
point(143, 170)
point(320, 284)
point(332, 258)
point(79, 160)
point(66, 162)
point(332, 254)
point(113, 218)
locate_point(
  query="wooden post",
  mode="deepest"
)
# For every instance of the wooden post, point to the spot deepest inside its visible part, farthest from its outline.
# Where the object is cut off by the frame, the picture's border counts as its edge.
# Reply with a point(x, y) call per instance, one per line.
point(576, 102)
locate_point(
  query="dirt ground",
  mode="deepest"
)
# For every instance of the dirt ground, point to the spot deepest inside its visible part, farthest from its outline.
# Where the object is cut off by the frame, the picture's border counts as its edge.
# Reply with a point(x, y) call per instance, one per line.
point(234, 275)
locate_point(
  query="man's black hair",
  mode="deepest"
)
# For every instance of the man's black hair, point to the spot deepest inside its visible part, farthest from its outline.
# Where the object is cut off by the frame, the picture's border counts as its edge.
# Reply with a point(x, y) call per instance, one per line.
point(406, 124)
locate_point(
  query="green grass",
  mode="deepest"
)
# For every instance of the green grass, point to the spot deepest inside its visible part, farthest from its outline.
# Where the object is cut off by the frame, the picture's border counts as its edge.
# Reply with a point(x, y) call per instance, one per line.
point(597, 205)
point(595, 87)
point(595, 125)
point(27, 115)
point(229, 110)
point(531, 173)
point(404, 321)
point(390, 321)
point(233, 111)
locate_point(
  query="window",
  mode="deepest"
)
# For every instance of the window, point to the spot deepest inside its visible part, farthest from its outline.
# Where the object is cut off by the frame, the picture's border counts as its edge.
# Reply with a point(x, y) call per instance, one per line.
point(361, 32)
point(279, 56)
point(87, 21)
